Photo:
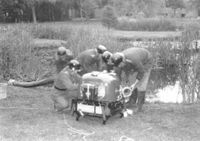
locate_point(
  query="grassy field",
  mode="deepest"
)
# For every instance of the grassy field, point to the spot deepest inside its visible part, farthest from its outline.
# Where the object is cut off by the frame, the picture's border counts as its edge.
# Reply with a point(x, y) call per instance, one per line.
point(27, 115)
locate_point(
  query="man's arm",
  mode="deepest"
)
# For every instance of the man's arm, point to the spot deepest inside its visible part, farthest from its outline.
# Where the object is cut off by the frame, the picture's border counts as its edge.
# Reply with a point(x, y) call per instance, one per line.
point(67, 82)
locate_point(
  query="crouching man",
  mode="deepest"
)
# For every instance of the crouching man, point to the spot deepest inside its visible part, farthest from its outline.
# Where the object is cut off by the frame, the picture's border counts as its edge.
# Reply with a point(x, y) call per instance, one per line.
point(66, 86)
point(136, 64)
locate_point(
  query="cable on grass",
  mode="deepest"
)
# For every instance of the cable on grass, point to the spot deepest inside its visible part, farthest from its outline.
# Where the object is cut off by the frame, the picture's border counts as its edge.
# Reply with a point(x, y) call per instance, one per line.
point(74, 130)
point(125, 138)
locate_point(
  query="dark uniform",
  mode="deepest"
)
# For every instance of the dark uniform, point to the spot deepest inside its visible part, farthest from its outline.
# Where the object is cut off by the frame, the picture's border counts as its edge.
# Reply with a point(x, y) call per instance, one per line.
point(66, 84)
point(105, 59)
point(136, 64)
point(90, 59)
point(63, 56)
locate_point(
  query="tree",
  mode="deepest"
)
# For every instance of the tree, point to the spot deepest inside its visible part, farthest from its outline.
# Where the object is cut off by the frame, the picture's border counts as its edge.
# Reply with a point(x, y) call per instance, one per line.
point(32, 4)
point(175, 4)
point(11, 10)
point(86, 7)
point(109, 18)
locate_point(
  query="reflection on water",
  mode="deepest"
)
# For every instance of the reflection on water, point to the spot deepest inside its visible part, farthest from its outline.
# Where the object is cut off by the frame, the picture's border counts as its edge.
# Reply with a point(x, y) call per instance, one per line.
point(168, 94)
point(163, 84)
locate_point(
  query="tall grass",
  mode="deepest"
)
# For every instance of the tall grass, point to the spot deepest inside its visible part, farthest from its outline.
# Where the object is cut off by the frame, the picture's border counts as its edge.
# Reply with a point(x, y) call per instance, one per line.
point(20, 60)
point(17, 57)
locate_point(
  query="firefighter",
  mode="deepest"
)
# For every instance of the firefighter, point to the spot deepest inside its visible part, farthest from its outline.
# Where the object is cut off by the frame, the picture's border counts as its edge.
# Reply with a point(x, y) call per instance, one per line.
point(63, 56)
point(66, 85)
point(136, 64)
point(105, 65)
point(90, 59)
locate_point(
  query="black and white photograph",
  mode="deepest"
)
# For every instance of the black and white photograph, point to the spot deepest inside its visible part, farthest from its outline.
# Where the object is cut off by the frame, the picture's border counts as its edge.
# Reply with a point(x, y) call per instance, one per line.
point(99, 70)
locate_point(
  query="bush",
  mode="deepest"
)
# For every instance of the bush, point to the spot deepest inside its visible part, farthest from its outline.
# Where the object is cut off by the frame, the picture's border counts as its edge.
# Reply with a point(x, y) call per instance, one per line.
point(146, 25)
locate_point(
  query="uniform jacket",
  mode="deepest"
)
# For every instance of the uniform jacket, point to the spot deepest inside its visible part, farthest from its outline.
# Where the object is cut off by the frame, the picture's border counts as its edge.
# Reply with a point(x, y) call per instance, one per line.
point(137, 60)
point(89, 60)
point(67, 80)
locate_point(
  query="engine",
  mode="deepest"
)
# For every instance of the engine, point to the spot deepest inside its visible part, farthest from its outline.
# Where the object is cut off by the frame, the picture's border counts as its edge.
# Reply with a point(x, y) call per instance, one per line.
point(100, 86)
point(100, 95)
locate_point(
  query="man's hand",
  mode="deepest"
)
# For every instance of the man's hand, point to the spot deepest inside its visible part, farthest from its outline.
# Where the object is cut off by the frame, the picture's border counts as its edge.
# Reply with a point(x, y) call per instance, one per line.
point(75, 86)
point(134, 85)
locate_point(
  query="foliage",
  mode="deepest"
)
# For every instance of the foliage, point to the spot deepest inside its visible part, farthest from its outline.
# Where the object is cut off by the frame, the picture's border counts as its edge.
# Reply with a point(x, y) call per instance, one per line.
point(59, 10)
point(175, 4)
point(109, 18)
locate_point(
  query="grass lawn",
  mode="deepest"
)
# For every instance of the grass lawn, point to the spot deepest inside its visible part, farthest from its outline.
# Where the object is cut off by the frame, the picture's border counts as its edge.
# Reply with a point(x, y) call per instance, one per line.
point(27, 115)
point(144, 34)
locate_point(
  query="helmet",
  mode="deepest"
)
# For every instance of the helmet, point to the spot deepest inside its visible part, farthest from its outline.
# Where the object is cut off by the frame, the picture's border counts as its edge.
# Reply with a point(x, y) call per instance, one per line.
point(117, 58)
point(74, 65)
point(106, 56)
point(61, 50)
point(101, 49)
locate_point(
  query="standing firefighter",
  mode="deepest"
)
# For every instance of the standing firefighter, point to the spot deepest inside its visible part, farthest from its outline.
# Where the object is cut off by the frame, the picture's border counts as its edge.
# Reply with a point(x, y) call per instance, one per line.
point(136, 64)
point(90, 59)
point(66, 86)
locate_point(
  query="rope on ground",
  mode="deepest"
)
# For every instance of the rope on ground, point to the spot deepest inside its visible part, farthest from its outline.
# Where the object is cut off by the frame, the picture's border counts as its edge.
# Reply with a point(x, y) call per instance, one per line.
point(77, 131)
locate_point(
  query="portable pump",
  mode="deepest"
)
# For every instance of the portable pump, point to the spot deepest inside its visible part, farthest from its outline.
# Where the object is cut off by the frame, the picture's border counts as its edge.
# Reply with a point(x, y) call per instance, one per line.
point(100, 95)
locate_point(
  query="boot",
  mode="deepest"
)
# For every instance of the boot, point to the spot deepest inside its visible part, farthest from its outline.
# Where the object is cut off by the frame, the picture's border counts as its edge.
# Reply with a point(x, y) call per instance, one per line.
point(141, 100)
point(133, 98)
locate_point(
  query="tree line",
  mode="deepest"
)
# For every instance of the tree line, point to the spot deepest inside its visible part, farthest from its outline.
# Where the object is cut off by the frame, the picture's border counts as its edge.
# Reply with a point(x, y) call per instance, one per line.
point(60, 10)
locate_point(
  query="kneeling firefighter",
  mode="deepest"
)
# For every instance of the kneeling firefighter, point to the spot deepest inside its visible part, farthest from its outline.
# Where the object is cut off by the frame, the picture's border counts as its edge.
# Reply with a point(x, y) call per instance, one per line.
point(66, 84)
point(136, 64)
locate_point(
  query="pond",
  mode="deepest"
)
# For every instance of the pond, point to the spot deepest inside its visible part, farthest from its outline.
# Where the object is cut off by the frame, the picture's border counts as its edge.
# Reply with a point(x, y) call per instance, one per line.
point(164, 84)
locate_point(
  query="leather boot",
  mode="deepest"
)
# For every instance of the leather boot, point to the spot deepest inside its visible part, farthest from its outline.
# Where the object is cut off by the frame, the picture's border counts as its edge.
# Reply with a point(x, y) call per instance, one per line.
point(133, 99)
point(141, 100)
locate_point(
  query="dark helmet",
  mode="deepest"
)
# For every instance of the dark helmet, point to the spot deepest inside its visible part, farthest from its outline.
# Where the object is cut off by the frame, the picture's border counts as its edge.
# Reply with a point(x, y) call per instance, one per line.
point(74, 65)
point(106, 56)
point(116, 59)
point(63, 51)
point(101, 49)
